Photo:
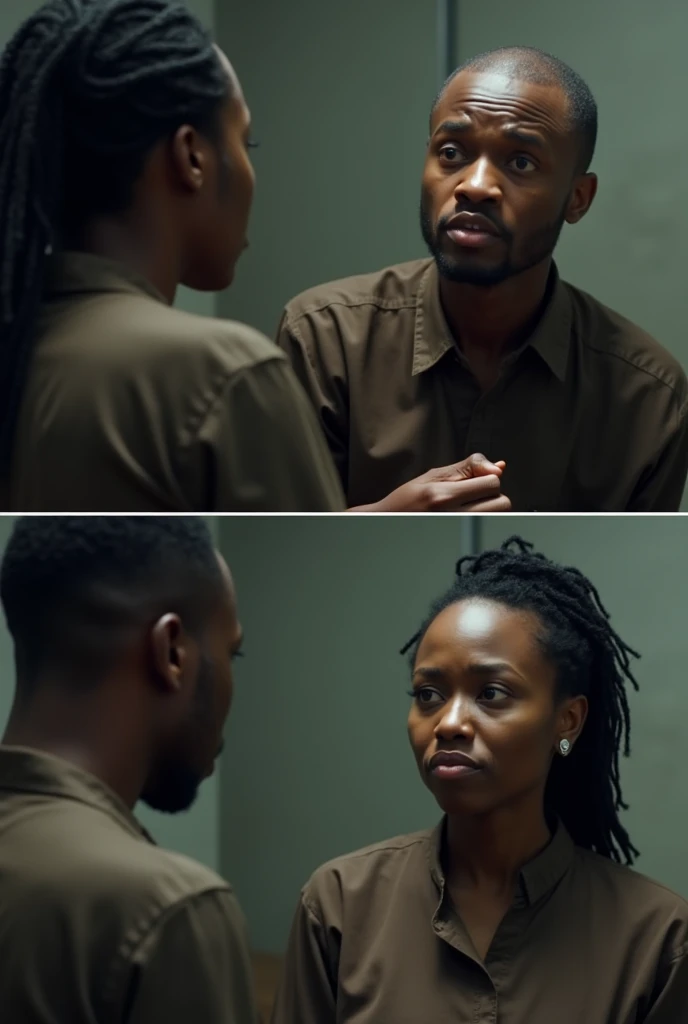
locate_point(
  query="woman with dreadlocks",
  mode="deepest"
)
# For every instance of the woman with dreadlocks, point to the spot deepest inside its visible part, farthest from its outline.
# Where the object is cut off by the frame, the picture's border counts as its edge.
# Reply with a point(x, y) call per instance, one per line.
point(124, 172)
point(519, 908)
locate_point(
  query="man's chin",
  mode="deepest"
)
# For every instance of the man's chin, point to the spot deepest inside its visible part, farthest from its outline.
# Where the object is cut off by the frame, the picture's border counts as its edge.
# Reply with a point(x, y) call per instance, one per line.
point(476, 274)
point(172, 799)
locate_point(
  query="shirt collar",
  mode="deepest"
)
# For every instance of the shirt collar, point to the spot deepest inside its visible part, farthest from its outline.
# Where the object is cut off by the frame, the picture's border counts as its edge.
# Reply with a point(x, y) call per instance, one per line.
point(551, 338)
point(81, 272)
point(24, 770)
point(538, 877)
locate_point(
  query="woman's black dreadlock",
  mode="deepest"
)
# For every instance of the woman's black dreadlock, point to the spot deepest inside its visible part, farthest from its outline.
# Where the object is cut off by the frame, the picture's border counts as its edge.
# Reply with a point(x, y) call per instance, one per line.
point(87, 88)
point(584, 789)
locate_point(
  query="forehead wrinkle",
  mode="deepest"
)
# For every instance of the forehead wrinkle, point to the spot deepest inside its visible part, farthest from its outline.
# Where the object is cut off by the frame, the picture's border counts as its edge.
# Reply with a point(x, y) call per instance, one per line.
point(516, 109)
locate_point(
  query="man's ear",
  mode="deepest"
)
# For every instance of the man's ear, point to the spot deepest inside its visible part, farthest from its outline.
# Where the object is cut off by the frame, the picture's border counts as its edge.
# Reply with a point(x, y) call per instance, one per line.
point(582, 195)
point(169, 652)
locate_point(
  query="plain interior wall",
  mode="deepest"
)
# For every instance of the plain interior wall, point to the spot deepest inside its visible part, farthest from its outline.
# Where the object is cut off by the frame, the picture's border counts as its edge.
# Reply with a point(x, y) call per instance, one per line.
point(339, 95)
point(317, 760)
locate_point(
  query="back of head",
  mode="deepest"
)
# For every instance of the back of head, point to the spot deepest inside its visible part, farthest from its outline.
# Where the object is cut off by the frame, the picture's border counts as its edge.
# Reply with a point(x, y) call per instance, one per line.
point(87, 88)
point(70, 586)
point(528, 64)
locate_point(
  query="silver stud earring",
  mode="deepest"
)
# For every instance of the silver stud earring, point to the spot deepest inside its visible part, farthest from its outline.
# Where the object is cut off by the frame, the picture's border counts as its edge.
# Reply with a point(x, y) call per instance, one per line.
point(564, 747)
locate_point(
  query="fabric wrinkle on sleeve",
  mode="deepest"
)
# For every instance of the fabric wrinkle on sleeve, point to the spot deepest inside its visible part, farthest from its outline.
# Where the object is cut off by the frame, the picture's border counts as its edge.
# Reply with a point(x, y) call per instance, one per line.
point(315, 354)
point(671, 1003)
point(307, 992)
point(662, 488)
point(263, 447)
point(194, 965)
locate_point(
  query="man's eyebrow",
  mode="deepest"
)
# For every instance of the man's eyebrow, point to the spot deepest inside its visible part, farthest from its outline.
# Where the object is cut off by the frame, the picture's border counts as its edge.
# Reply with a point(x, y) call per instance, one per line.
point(515, 134)
point(528, 139)
point(452, 127)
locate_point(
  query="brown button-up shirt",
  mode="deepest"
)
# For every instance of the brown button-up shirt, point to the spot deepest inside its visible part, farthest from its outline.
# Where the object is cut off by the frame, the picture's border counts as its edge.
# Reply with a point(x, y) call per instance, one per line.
point(589, 414)
point(133, 406)
point(376, 941)
point(97, 924)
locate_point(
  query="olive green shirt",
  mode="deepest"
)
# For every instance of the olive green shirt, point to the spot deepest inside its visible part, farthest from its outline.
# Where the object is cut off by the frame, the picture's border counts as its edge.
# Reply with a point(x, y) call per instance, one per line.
point(590, 413)
point(376, 940)
point(134, 406)
point(97, 924)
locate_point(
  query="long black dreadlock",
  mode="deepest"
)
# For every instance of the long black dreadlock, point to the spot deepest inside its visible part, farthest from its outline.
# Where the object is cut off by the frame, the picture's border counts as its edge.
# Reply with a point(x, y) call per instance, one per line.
point(583, 789)
point(87, 88)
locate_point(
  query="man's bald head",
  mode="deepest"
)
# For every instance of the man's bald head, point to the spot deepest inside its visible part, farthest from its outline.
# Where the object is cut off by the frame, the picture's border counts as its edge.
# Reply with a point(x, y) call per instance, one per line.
point(527, 64)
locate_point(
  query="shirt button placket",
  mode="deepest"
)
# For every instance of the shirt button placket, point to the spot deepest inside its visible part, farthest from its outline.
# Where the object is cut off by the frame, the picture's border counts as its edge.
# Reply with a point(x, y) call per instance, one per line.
point(479, 437)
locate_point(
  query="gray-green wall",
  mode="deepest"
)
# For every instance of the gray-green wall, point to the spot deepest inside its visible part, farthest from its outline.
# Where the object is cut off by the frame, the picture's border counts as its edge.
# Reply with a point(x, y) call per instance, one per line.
point(339, 94)
point(317, 761)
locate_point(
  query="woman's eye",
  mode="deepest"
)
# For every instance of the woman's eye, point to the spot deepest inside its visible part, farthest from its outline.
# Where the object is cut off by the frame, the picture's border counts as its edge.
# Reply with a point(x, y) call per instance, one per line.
point(424, 696)
point(494, 694)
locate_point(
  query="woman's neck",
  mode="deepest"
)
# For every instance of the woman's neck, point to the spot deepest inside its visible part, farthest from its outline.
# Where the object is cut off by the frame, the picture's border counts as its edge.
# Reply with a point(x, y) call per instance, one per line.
point(487, 852)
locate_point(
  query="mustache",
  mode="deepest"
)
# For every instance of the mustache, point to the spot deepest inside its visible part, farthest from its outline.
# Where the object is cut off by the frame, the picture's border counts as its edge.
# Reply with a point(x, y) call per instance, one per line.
point(469, 208)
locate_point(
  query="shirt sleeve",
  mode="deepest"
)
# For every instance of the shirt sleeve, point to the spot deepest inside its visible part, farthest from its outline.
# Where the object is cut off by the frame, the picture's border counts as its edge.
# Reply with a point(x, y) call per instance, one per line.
point(661, 487)
point(264, 450)
point(317, 359)
point(195, 966)
point(307, 989)
point(671, 1005)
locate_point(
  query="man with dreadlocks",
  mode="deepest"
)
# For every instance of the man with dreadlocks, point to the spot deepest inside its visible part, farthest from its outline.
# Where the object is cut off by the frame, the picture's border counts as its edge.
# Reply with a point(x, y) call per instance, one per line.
point(517, 908)
point(124, 172)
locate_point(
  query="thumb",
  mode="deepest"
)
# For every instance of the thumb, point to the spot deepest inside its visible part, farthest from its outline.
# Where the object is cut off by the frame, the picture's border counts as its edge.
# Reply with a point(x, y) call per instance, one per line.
point(478, 465)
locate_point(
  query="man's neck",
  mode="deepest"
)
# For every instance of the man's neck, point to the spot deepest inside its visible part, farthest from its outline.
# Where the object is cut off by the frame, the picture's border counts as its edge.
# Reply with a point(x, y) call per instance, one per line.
point(488, 323)
point(81, 738)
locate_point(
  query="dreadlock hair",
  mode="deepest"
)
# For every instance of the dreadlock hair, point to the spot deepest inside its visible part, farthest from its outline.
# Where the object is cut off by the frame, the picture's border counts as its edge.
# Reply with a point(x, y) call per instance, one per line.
point(583, 789)
point(87, 88)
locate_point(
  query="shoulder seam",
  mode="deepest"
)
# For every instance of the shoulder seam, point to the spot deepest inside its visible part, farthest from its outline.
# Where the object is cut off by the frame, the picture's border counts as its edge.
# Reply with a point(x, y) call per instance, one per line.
point(380, 848)
point(310, 909)
point(679, 954)
point(143, 927)
point(630, 362)
point(370, 300)
point(194, 424)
